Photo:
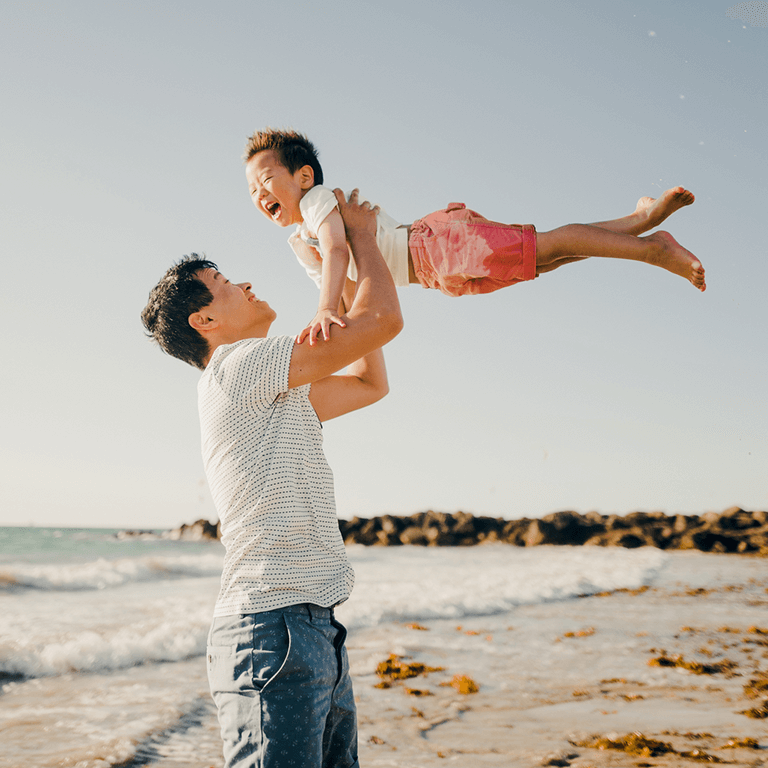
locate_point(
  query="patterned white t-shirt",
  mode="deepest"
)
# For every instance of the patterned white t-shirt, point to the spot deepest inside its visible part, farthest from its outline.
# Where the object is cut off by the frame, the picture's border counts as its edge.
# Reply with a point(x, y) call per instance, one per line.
point(270, 482)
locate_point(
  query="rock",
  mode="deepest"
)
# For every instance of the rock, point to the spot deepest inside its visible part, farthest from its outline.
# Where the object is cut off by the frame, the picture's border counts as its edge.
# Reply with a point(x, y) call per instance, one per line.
point(737, 518)
point(200, 530)
point(513, 531)
point(571, 528)
point(631, 538)
point(391, 525)
point(368, 533)
point(536, 533)
point(413, 534)
point(389, 538)
point(464, 524)
point(681, 524)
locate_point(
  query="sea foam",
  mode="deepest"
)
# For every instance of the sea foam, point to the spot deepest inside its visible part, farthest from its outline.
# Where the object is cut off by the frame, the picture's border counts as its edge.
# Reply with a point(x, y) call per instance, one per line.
point(105, 574)
point(411, 583)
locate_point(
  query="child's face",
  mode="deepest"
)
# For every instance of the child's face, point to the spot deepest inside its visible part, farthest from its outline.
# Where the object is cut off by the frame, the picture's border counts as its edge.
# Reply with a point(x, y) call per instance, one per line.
point(276, 191)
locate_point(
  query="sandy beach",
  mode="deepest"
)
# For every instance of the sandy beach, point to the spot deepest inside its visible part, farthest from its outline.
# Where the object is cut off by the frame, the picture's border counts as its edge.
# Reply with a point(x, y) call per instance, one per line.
point(595, 680)
point(678, 661)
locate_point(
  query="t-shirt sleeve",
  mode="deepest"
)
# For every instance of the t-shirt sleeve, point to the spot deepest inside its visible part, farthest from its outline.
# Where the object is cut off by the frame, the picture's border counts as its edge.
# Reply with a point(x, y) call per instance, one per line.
point(316, 205)
point(253, 373)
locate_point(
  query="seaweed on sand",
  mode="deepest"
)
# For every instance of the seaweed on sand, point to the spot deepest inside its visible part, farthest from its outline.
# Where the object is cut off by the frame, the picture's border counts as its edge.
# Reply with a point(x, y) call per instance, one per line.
point(692, 666)
point(758, 713)
point(464, 685)
point(643, 746)
point(758, 686)
point(747, 743)
point(394, 669)
point(632, 743)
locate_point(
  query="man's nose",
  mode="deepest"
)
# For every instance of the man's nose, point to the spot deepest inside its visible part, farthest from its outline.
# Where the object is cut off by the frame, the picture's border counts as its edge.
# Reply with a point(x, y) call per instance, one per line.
point(244, 287)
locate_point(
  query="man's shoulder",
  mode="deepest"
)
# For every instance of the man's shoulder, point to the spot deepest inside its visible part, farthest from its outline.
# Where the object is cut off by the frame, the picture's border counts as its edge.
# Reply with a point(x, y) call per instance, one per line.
point(240, 350)
point(251, 354)
point(248, 374)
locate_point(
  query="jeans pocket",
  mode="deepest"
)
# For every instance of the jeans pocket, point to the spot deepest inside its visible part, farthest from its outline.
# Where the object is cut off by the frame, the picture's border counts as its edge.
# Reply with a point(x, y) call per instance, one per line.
point(270, 652)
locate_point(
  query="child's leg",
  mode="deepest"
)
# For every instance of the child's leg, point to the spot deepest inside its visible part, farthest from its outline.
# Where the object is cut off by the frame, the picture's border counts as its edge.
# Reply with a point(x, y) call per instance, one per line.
point(577, 241)
point(649, 213)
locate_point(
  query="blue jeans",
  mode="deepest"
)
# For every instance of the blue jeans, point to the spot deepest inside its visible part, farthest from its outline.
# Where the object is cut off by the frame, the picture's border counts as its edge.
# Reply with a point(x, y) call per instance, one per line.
point(280, 680)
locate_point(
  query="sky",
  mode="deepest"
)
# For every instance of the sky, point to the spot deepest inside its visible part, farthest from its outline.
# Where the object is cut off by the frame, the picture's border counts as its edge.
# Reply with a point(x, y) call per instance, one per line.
point(605, 385)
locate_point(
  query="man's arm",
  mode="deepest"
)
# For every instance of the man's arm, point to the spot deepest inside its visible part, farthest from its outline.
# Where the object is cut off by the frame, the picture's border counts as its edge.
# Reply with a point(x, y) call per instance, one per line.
point(373, 319)
point(364, 383)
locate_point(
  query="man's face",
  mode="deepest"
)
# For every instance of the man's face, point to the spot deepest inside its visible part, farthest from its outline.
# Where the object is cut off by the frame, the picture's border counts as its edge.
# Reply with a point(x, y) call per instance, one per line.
point(275, 191)
point(235, 307)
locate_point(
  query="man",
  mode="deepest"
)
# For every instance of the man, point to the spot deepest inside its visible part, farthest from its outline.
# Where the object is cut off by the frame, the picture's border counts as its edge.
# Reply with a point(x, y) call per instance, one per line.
point(277, 665)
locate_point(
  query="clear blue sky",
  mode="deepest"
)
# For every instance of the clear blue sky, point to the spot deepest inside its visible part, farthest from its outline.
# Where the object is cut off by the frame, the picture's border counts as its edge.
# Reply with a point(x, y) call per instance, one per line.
point(605, 386)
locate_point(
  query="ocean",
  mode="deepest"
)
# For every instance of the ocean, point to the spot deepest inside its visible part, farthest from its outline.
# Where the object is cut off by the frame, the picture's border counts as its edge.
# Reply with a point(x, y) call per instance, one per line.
point(102, 638)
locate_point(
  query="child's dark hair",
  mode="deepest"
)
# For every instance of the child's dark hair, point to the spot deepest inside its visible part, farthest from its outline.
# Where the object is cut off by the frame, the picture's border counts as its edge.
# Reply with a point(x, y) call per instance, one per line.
point(179, 294)
point(294, 149)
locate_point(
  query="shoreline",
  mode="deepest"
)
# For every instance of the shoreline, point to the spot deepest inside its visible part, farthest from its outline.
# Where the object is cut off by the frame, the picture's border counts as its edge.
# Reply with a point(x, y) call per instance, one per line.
point(677, 656)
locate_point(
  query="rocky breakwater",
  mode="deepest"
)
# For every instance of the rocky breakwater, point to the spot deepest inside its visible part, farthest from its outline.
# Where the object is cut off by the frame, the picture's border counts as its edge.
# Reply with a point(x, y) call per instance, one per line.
point(734, 530)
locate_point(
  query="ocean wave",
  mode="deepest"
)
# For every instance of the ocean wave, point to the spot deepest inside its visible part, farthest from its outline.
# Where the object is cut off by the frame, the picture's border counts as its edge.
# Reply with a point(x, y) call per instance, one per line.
point(462, 582)
point(107, 574)
point(94, 651)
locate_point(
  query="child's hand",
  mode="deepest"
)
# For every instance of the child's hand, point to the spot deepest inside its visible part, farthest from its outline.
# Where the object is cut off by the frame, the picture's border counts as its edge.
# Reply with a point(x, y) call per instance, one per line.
point(321, 322)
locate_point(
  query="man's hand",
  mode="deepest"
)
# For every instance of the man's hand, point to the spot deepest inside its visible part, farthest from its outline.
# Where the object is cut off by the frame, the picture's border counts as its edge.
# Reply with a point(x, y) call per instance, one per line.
point(321, 323)
point(359, 218)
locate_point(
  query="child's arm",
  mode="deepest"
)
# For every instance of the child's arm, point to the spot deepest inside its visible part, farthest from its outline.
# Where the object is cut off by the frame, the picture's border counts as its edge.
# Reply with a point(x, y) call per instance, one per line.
point(333, 244)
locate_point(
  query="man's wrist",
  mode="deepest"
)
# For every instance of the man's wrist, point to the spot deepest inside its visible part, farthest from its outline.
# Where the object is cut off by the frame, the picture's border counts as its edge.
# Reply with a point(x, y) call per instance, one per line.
point(361, 235)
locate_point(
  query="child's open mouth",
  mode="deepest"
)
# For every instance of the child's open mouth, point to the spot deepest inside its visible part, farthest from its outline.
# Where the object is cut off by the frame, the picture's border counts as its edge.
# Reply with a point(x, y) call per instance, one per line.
point(273, 209)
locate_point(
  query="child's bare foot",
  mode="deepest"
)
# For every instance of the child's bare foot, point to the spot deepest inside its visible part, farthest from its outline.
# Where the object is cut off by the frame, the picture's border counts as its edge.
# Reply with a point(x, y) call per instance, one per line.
point(654, 211)
point(676, 259)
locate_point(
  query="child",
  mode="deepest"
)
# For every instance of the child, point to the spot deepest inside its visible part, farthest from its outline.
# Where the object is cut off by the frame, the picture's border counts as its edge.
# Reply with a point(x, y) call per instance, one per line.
point(456, 250)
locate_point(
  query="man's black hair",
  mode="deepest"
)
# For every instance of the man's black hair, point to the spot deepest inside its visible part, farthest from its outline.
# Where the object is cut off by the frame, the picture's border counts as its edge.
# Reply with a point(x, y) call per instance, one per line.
point(178, 295)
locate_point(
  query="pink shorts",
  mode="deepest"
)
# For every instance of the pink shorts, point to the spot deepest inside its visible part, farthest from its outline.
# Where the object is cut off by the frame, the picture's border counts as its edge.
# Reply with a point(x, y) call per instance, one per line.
point(461, 253)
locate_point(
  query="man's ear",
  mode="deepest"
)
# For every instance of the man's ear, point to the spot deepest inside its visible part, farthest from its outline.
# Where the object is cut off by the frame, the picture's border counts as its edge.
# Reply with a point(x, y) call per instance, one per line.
point(202, 322)
point(306, 176)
